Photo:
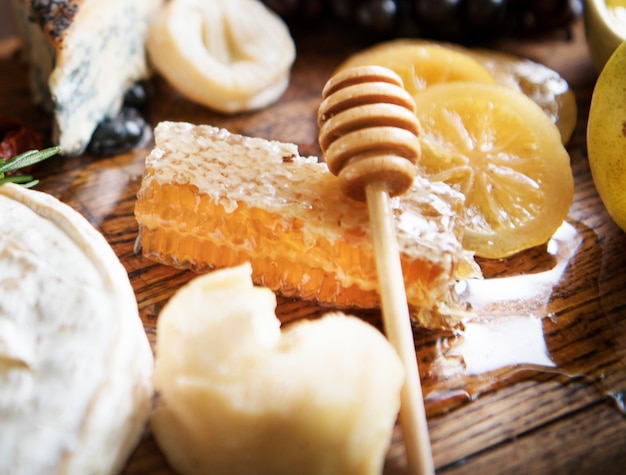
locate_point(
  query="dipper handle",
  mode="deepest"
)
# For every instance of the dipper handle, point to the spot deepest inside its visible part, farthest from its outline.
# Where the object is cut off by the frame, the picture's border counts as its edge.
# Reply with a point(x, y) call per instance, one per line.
point(369, 135)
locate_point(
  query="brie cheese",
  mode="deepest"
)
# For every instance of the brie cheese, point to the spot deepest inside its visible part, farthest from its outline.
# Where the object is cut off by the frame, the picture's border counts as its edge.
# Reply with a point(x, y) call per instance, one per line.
point(75, 362)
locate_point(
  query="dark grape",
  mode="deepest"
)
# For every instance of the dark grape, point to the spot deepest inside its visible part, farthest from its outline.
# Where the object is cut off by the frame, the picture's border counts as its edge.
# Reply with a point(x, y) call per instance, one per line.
point(118, 134)
point(407, 24)
point(297, 9)
point(464, 21)
point(284, 8)
point(485, 14)
point(552, 14)
point(137, 95)
point(437, 13)
point(343, 9)
point(379, 15)
point(439, 19)
point(122, 133)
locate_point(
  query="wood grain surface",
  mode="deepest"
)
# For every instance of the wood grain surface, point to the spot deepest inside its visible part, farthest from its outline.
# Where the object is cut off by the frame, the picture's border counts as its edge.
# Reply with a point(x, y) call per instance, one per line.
point(563, 417)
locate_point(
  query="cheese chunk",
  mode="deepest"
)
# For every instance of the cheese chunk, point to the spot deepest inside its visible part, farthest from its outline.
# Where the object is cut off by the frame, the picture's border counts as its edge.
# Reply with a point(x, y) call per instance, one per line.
point(219, 57)
point(75, 362)
point(83, 56)
point(240, 396)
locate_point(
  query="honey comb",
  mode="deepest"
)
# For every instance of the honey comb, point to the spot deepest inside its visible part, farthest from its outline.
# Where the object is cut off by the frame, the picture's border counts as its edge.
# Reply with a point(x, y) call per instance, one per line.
point(212, 199)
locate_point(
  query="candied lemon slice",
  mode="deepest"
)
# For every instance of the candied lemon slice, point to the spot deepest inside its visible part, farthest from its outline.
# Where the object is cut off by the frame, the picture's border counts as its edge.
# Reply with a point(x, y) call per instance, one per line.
point(543, 85)
point(421, 64)
point(505, 155)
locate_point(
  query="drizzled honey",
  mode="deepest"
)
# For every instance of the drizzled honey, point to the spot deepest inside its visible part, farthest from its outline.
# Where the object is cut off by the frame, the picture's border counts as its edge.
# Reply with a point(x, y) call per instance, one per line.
point(520, 327)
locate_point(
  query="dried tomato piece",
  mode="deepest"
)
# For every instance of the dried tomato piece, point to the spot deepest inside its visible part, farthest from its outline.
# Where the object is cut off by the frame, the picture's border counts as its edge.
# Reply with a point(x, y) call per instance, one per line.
point(16, 138)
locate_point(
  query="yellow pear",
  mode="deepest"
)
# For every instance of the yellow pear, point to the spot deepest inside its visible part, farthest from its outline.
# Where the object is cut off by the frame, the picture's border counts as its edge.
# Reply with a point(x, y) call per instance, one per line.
point(606, 135)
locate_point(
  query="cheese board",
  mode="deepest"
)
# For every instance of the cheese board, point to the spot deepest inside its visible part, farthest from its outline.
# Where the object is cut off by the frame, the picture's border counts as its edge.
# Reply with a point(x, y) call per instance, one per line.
point(535, 383)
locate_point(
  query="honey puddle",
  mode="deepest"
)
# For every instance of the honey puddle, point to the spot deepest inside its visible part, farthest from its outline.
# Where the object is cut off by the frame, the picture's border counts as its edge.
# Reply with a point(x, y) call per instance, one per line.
point(508, 329)
point(506, 337)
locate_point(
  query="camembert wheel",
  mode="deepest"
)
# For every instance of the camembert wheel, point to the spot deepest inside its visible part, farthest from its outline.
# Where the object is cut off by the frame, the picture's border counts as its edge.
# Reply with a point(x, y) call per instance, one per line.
point(75, 362)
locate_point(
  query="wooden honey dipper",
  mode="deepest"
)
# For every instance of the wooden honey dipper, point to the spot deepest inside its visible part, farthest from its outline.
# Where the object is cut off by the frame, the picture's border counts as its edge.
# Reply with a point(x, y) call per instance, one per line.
point(369, 137)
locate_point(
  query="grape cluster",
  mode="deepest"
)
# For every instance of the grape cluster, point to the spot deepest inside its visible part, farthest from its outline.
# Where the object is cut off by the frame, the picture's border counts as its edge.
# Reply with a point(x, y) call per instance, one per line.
point(462, 21)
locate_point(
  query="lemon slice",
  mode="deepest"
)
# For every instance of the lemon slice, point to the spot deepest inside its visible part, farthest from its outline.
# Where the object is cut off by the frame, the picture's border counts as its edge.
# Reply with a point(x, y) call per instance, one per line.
point(505, 155)
point(421, 64)
point(543, 85)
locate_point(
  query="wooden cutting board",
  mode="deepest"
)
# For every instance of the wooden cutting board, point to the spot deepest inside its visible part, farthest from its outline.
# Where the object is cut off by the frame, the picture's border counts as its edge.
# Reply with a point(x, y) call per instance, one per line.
point(540, 393)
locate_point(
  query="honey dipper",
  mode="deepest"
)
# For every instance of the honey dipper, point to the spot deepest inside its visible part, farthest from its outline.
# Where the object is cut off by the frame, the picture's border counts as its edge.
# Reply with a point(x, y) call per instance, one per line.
point(369, 137)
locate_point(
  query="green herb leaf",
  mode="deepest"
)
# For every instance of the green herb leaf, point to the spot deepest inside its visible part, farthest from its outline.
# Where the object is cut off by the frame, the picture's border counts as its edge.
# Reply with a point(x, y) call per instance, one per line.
point(30, 184)
point(22, 160)
point(19, 179)
point(28, 158)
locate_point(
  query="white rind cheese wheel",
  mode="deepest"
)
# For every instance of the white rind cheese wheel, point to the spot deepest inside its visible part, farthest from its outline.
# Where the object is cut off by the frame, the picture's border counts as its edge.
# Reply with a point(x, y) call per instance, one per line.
point(75, 362)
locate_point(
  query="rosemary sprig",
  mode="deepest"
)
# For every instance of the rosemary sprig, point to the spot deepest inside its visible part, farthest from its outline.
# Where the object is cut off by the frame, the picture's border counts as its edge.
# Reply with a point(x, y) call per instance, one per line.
point(22, 160)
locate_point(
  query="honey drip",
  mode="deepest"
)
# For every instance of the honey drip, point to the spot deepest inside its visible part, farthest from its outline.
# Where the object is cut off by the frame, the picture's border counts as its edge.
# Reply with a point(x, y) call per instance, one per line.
point(520, 327)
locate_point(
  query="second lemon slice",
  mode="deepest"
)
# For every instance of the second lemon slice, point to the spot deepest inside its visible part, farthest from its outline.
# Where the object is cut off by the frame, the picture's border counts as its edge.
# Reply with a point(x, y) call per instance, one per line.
point(421, 64)
point(501, 150)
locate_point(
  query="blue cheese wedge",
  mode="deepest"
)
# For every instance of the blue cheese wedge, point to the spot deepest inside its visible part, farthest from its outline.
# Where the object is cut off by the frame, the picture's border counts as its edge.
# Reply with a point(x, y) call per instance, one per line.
point(75, 361)
point(83, 57)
